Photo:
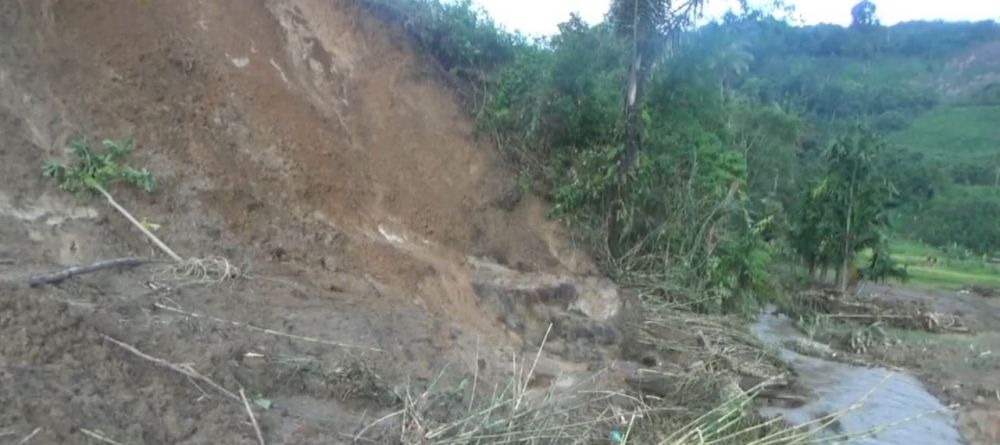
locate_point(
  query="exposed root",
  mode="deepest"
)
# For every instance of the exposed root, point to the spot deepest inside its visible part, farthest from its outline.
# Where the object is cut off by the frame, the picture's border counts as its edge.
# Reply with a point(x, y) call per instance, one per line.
point(208, 270)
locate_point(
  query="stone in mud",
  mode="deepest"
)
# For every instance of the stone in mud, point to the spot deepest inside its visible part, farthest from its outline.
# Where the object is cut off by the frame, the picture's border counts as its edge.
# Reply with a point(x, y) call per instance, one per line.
point(582, 310)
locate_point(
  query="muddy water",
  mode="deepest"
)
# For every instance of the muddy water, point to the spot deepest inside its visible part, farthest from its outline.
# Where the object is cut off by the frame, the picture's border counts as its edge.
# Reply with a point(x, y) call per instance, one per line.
point(888, 398)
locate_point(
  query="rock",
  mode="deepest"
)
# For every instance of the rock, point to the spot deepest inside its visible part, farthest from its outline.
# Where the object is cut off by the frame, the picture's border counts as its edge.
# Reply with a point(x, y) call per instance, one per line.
point(582, 311)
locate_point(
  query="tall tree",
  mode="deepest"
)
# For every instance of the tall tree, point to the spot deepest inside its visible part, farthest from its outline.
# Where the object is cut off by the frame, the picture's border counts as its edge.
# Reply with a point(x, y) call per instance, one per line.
point(844, 210)
point(646, 26)
point(863, 14)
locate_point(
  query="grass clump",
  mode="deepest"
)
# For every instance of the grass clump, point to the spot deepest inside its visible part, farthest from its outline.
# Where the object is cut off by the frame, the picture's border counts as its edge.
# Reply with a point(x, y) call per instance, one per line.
point(516, 414)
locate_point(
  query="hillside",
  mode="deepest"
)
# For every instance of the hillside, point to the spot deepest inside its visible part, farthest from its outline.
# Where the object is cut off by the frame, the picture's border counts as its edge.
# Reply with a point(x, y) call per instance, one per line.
point(304, 141)
point(928, 87)
point(396, 222)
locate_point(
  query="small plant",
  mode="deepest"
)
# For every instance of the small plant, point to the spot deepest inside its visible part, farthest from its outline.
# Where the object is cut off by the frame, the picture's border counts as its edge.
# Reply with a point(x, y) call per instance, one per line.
point(96, 171)
point(814, 324)
point(864, 339)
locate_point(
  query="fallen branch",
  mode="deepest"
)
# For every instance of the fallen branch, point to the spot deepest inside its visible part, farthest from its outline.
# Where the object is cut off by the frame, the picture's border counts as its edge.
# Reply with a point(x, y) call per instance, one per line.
point(30, 436)
point(927, 321)
point(866, 317)
point(265, 330)
point(98, 436)
point(186, 370)
point(56, 277)
point(253, 420)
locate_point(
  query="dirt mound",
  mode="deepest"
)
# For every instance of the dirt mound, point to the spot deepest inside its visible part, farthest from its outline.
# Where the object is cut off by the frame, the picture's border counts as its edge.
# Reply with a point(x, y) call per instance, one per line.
point(299, 138)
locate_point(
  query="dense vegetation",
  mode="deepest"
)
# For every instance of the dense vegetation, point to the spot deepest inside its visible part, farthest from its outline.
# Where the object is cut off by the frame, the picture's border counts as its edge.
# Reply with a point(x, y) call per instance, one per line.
point(929, 87)
point(693, 160)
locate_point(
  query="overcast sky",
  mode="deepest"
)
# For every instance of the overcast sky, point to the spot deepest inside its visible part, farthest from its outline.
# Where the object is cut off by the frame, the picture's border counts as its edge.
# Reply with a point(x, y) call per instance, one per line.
point(540, 17)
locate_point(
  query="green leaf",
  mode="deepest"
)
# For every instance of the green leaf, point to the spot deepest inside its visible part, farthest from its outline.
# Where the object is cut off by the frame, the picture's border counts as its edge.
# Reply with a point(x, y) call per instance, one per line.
point(98, 170)
point(53, 170)
point(262, 402)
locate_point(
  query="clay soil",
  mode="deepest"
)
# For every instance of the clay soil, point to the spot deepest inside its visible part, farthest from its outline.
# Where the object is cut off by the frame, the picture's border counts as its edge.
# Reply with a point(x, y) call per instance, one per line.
point(301, 139)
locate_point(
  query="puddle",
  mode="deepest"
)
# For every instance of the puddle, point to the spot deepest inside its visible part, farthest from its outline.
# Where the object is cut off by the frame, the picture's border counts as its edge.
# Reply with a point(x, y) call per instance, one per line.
point(890, 398)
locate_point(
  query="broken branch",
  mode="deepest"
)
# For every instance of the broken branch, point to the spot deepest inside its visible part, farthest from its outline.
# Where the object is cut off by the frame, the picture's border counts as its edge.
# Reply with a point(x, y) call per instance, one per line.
point(56, 277)
point(253, 420)
point(184, 370)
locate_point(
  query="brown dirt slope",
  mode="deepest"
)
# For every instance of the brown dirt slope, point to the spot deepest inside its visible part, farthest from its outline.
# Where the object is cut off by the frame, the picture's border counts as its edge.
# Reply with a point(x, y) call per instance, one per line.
point(300, 138)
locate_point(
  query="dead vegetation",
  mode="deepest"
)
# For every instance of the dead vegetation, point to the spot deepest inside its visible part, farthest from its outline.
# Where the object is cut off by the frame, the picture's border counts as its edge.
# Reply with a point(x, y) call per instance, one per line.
point(915, 315)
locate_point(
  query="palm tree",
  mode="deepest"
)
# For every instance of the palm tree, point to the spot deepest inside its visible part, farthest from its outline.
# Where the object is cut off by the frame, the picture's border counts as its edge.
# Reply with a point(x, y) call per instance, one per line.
point(646, 26)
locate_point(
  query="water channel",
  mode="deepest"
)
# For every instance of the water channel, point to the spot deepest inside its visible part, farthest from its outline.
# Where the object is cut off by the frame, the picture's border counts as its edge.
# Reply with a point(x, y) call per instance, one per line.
point(895, 408)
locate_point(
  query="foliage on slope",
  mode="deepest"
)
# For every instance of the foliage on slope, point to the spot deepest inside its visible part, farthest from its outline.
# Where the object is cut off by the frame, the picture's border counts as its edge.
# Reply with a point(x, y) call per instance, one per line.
point(738, 121)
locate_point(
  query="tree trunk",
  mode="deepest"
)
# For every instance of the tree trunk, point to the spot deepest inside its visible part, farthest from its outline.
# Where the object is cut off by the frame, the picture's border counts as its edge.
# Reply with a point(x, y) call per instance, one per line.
point(632, 143)
point(848, 243)
point(633, 126)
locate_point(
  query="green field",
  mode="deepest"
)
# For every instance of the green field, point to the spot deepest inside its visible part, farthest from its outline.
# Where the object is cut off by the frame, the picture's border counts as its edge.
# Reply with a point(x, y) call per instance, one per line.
point(952, 270)
point(954, 133)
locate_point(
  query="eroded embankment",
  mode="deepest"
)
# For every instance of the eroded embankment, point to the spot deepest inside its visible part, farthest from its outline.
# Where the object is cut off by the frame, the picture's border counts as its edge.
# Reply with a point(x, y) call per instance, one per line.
point(302, 140)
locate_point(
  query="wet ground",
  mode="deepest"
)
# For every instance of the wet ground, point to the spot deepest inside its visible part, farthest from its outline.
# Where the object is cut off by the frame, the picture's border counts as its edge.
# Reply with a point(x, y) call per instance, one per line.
point(893, 407)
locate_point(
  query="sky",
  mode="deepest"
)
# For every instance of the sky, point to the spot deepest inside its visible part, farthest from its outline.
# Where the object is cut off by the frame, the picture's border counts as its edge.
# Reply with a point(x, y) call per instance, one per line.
point(540, 17)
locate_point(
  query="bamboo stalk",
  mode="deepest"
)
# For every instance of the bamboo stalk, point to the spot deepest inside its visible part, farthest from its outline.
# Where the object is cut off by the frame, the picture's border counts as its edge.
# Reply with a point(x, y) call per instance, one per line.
point(163, 247)
point(253, 419)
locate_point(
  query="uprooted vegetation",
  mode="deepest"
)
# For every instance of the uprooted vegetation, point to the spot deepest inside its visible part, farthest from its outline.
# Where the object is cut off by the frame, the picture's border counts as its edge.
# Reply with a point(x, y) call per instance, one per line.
point(94, 172)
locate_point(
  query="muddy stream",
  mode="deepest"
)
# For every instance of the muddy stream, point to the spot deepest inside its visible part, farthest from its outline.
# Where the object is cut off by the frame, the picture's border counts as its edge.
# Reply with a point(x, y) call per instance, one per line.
point(895, 408)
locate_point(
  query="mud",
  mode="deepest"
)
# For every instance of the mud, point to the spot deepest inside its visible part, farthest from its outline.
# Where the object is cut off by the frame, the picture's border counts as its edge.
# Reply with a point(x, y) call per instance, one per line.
point(303, 140)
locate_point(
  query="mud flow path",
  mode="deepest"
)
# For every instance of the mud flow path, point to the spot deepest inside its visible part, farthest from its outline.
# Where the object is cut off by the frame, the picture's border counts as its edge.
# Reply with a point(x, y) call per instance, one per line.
point(302, 139)
point(894, 407)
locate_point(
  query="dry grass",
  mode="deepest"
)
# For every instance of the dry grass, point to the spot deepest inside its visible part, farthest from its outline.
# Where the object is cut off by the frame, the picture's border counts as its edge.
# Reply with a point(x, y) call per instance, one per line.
point(580, 415)
point(702, 405)
point(514, 413)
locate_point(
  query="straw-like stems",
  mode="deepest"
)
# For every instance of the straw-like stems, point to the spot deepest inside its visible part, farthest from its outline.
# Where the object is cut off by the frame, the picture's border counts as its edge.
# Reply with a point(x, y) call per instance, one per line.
point(264, 330)
point(253, 419)
point(186, 370)
point(99, 437)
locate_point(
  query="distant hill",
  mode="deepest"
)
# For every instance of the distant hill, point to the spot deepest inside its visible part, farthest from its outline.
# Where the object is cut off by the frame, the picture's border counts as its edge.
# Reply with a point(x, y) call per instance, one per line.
point(932, 88)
